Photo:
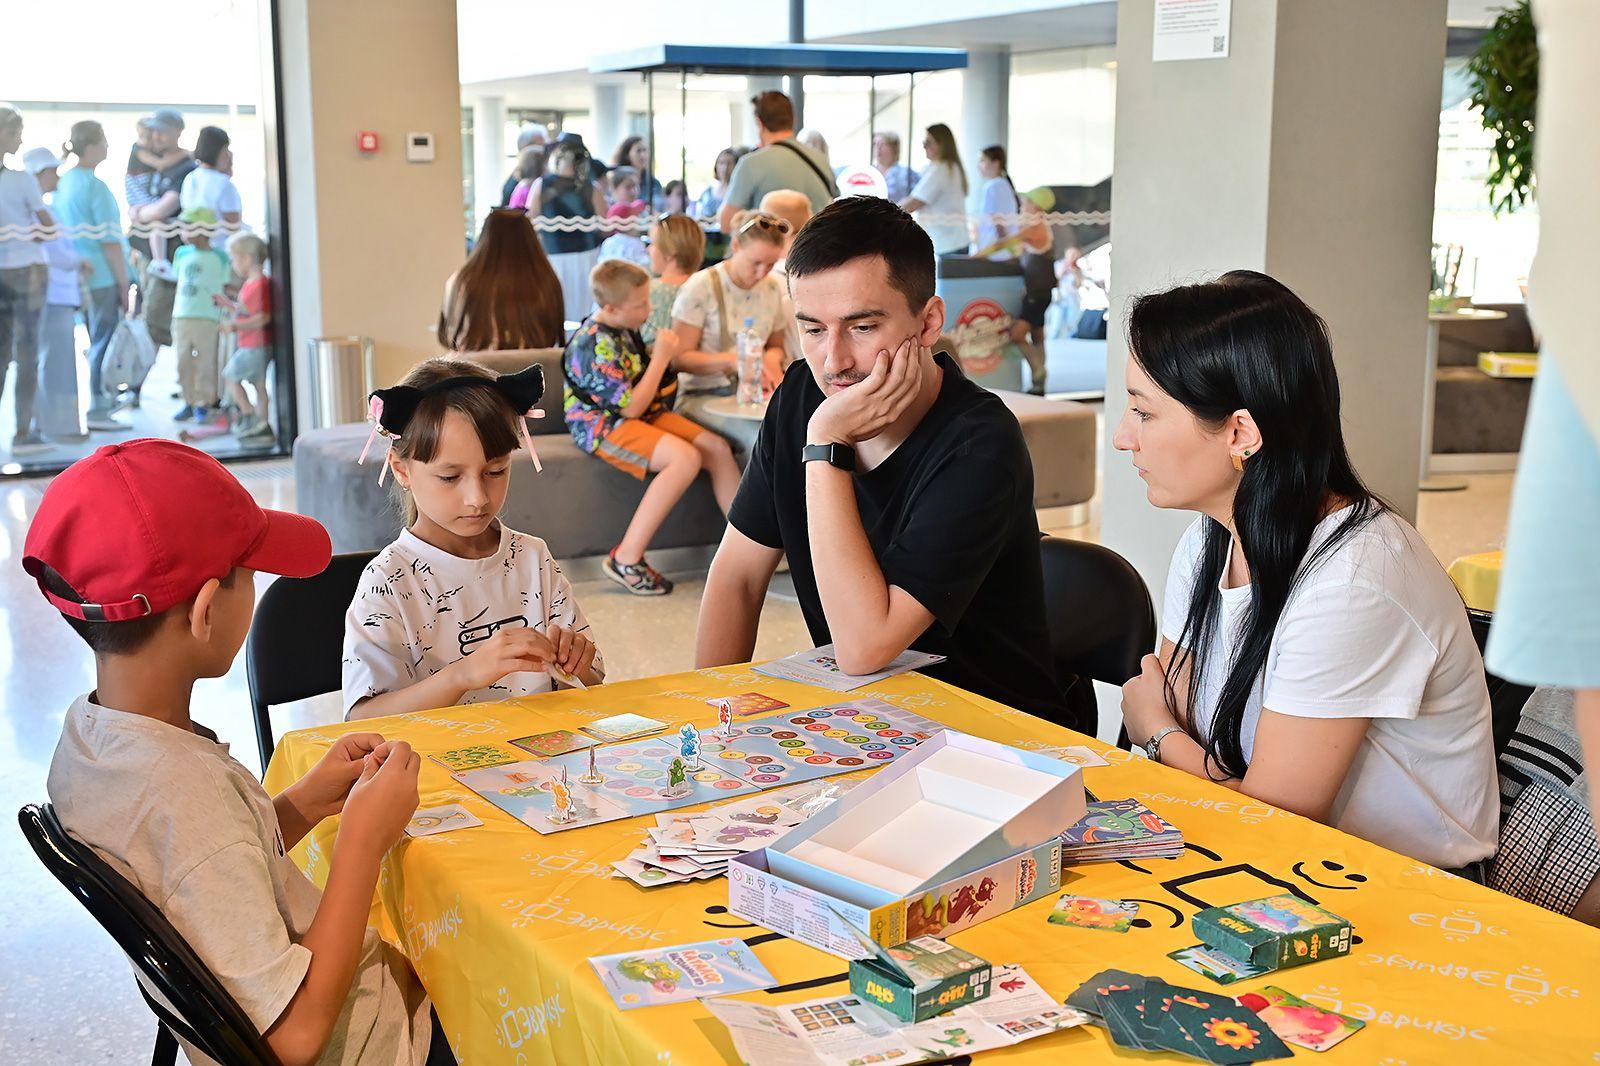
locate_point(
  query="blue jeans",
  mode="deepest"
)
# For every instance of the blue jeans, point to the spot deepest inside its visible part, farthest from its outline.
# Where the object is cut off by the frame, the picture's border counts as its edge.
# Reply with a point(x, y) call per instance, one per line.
point(101, 315)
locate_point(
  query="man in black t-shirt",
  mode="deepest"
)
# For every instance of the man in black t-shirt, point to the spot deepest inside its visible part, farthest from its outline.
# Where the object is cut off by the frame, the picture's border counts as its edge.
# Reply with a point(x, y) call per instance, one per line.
point(901, 492)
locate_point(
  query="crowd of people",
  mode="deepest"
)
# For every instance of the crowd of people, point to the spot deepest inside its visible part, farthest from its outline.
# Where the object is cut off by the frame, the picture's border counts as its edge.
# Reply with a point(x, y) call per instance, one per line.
point(180, 262)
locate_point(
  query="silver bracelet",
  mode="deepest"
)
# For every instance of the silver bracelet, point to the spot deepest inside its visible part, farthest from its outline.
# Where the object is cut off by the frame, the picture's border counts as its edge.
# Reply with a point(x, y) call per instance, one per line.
point(1152, 747)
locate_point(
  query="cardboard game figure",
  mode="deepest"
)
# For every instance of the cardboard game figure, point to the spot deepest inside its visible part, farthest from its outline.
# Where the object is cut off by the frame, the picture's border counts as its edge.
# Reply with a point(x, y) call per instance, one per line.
point(561, 795)
point(594, 776)
point(689, 745)
point(677, 780)
point(725, 718)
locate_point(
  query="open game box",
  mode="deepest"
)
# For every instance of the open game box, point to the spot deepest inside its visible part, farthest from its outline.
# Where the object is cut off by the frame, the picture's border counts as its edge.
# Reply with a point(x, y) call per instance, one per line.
point(958, 831)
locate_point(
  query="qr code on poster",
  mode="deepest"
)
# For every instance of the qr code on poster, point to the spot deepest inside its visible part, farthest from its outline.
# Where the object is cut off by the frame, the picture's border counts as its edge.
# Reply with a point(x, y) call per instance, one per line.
point(1219, 44)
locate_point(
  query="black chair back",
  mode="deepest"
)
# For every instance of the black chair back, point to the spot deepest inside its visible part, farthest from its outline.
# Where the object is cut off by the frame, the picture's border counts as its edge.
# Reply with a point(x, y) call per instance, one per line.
point(1506, 698)
point(1101, 621)
point(186, 997)
point(297, 640)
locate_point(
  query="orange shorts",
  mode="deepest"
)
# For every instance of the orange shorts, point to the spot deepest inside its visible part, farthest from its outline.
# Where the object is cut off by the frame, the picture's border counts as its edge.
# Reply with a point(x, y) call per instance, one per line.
point(632, 442)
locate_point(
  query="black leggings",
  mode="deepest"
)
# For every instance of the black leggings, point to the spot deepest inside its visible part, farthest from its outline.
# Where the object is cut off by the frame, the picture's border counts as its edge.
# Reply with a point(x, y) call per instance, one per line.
point(439, 1053)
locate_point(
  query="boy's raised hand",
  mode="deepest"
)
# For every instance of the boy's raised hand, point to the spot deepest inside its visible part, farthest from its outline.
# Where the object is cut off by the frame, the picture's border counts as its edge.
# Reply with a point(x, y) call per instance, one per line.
point(383, 798)
point(668, 346)
point(509, 651)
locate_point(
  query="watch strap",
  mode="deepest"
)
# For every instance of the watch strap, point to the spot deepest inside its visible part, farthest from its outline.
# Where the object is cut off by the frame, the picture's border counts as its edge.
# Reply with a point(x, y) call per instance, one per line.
point(840, 456)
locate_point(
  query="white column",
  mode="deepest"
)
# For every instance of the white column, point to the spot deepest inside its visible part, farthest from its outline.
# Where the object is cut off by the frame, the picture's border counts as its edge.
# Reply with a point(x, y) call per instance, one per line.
point(1275, 159)
point(490, 165)
point(985, 105)
point(372, 238)
point(609, 118)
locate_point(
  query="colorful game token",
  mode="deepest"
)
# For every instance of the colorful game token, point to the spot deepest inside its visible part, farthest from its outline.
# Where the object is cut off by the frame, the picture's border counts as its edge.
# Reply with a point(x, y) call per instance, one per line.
point(677, 780)
point(594, 776)
point(561, 794)
point(689, 743)
point(725, 718)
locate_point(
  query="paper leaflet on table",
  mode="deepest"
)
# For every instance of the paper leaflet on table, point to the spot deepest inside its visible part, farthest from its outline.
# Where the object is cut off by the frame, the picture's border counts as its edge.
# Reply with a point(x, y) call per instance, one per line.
point(820, 667)
point(689, 971)
point(843, 1030)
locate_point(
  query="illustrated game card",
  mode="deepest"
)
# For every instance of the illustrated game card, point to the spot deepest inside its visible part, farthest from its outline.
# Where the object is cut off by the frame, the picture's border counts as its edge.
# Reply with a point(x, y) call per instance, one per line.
point(555, 742)
point(1298, 1022)
point(746, 704)
point(430, 820)
point(672, 975)
point(1086, 912)
point(476, 757)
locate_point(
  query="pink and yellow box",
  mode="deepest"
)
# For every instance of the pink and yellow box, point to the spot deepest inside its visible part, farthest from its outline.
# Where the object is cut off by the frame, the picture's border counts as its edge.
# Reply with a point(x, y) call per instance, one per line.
point(956, 832)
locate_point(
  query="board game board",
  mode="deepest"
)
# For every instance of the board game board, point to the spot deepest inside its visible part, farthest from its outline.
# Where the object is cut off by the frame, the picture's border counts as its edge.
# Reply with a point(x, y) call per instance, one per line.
point(763, 753)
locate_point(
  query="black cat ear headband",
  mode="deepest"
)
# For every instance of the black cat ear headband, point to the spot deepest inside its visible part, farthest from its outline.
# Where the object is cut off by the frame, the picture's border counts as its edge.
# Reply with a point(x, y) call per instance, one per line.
point(390, 410)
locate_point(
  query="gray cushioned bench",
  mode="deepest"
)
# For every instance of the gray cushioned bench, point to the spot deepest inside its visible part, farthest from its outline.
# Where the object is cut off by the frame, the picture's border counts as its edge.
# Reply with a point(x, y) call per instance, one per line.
point(580, 505)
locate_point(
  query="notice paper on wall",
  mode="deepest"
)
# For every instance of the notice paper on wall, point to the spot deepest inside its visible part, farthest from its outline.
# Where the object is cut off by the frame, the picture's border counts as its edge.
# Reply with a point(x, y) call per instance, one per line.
point(1191, 29)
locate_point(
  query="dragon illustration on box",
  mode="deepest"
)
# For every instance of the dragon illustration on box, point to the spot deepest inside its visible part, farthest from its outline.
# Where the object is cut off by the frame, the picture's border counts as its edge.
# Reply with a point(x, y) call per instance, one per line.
point(930, 915)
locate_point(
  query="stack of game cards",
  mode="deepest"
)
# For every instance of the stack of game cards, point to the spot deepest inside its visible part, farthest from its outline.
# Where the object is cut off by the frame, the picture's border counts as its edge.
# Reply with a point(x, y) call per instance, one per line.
point(1112, 830)
point(623, 727)
point(698, 845)
point(1147, 1014)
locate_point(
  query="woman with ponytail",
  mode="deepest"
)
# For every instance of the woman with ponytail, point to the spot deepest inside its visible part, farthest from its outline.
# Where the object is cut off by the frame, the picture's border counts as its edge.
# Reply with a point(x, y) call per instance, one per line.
point(85, 204)
point(1314, 655)
point(997, 203)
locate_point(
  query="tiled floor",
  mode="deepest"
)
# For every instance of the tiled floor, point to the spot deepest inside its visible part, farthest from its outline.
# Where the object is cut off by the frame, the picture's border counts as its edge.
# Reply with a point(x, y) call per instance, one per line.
point(66, 995)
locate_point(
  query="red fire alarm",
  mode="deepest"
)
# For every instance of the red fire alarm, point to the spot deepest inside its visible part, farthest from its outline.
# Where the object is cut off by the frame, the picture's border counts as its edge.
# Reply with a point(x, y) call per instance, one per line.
point(367, 142)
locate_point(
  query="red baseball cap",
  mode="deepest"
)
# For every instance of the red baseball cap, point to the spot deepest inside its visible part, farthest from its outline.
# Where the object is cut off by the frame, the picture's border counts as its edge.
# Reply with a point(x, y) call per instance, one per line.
point(139, 527)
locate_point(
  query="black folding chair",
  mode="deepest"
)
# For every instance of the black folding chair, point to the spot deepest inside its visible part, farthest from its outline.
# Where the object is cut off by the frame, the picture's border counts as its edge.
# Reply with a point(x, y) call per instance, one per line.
point(1100, 618)
point(1506, 698)
point(187, 999)
point(297, 640)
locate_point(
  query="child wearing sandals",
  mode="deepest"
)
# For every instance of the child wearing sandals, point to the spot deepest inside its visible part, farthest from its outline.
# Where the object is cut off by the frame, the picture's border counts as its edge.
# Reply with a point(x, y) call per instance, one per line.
point(460, 608)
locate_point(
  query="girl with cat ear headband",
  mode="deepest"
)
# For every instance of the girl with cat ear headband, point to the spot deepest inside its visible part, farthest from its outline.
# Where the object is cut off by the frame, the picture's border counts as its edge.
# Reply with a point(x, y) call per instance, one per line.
point(391, 409)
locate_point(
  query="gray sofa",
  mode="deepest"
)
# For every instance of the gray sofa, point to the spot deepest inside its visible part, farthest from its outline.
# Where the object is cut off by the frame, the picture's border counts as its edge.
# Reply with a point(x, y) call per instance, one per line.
point(580, 505)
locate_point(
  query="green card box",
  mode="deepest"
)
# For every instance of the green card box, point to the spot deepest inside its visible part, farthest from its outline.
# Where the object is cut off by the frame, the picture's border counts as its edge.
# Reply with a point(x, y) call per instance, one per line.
point(1274, 933)
point(920, 978)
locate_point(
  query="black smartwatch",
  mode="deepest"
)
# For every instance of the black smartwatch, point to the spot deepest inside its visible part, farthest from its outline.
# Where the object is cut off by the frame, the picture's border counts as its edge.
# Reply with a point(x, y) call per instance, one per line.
point(841, 456)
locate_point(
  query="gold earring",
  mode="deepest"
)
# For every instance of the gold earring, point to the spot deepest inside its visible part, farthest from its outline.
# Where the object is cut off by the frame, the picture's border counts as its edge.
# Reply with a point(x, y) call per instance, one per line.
point(1238, 461)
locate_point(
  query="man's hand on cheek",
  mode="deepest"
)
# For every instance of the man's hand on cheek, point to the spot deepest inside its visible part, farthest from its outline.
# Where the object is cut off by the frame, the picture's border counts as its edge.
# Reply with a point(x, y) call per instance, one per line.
point(865, 409)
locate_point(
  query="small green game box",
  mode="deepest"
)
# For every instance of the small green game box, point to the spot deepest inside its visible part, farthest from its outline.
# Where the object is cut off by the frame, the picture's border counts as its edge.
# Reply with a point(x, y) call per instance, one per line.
point(920, 978)
point(1274, 933)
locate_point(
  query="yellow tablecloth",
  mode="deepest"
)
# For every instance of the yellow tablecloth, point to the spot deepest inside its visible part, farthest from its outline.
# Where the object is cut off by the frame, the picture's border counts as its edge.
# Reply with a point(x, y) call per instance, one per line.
point(1478, 578)
point(500, 921)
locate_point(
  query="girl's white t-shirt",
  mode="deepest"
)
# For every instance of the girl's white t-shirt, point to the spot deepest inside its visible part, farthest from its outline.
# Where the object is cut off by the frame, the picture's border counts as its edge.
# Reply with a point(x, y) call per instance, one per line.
point(944, 214)
point(1375, 630)
point(696, 305)
point(418, 609)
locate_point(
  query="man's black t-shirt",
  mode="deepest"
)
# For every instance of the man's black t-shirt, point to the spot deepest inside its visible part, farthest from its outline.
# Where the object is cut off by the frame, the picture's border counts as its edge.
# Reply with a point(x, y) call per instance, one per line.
point(950, 518)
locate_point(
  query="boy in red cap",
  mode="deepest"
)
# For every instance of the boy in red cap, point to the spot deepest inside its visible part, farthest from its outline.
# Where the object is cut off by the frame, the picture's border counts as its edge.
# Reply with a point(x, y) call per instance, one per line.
point(164, 602)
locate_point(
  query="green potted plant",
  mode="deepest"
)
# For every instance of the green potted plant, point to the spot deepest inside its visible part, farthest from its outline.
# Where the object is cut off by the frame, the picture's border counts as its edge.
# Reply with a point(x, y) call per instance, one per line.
point(1504, 76)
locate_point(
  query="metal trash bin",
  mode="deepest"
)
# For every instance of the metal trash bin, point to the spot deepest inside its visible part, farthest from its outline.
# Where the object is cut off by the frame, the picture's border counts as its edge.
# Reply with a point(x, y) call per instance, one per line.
point(341, 379)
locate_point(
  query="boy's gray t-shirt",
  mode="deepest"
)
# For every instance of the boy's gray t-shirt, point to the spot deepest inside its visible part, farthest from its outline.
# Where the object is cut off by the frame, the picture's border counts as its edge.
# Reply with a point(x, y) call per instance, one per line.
point(196, 833)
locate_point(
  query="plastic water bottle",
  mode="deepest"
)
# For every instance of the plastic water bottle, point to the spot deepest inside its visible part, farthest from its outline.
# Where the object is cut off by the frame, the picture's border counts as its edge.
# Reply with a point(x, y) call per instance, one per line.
point(751, 352)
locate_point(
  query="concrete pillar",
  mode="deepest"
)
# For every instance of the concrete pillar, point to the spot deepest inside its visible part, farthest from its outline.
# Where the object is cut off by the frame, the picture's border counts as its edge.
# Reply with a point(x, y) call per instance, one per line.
point(489, 163)
point(608, 117)
point(371, 238)
point(1275, 159)
point(985, 105)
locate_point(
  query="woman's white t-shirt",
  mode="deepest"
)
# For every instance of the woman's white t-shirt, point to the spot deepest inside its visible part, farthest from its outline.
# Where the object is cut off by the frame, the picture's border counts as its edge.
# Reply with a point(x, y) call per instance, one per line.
point(696, 305)
point(418, 609)
point(997, 197)
point(1375, 630)
point(944, 210)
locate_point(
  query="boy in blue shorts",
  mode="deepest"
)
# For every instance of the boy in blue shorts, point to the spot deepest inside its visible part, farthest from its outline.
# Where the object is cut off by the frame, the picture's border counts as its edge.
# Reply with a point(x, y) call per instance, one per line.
point(162, 801)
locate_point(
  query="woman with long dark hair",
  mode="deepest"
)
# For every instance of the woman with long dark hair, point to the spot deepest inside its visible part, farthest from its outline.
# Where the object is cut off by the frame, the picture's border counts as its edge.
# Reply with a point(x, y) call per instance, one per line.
point(506, 297)
point(997, 202)
point(1314, 653)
